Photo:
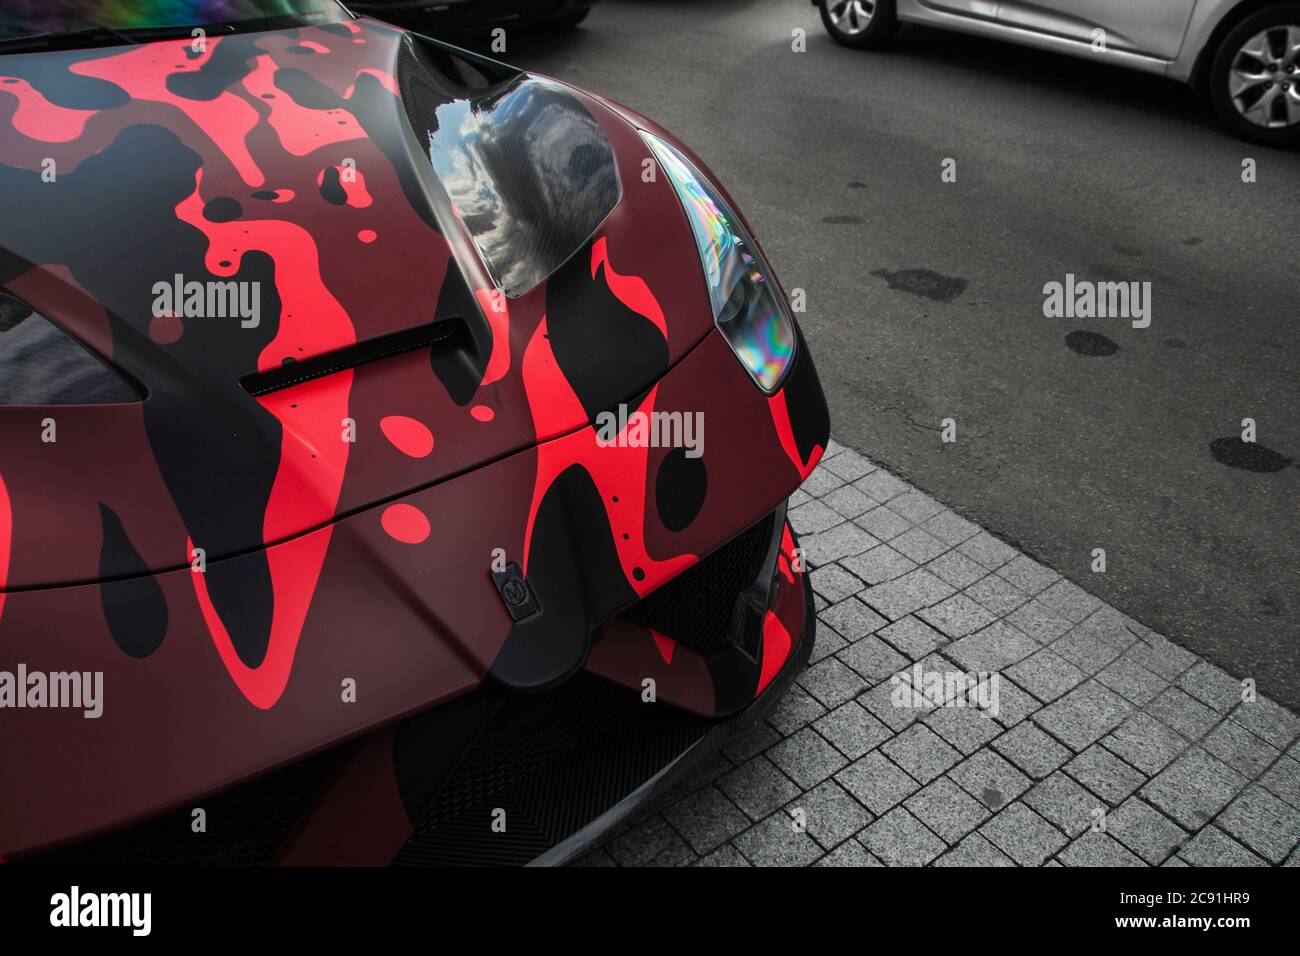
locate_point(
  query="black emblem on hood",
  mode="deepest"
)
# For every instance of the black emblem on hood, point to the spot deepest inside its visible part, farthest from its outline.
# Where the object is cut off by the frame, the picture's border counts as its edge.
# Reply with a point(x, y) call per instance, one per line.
point(515, 592)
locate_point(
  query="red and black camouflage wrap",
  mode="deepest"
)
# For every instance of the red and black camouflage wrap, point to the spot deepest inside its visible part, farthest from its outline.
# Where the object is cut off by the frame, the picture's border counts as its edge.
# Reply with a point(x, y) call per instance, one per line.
point(328, 560)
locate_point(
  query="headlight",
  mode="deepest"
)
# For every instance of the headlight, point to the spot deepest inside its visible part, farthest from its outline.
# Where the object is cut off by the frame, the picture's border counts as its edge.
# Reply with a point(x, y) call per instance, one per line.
point(749, 310)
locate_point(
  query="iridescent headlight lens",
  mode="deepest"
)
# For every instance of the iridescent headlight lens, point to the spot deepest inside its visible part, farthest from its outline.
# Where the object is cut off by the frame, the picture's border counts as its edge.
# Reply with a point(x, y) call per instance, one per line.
point(748, 308)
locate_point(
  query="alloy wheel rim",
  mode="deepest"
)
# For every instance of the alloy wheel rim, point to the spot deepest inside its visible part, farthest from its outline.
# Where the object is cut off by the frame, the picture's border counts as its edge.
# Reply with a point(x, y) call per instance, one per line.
point(1264, 81)
point(851, 17)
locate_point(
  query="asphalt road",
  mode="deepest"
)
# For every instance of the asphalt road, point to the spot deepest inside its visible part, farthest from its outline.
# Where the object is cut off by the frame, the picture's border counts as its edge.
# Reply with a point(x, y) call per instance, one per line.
point(926, 299)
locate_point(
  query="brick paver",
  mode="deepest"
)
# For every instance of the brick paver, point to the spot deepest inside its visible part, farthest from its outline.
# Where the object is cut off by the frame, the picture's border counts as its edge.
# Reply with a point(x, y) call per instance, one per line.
point(1111, 745)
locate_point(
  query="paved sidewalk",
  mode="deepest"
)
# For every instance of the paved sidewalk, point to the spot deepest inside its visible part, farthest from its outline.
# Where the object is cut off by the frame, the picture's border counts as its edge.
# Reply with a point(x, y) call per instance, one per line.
point(1111, 746)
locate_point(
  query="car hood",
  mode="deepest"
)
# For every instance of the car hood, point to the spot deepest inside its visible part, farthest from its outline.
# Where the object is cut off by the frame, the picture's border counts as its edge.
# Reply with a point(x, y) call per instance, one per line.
point(451, 261)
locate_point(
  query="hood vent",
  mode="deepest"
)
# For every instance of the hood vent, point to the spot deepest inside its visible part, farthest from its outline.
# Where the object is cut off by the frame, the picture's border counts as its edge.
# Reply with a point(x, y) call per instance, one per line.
point(449, 335)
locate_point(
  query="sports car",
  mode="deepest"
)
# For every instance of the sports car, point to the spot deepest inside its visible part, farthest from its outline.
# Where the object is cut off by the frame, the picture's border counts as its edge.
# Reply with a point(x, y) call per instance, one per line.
point(394, 447)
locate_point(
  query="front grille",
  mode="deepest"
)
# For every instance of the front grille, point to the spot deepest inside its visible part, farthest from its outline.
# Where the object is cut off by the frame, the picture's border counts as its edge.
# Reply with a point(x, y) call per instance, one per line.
point(528, 733)
point(553, 763)
point(698, 607)
point(245, 826)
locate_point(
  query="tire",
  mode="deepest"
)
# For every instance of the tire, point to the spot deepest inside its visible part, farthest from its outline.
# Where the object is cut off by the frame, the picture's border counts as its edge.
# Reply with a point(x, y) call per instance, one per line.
point(1237, 100)
point(851, 30)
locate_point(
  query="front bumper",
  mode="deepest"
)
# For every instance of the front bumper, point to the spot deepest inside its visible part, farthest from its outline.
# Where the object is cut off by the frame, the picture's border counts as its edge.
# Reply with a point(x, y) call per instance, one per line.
point(561, 768)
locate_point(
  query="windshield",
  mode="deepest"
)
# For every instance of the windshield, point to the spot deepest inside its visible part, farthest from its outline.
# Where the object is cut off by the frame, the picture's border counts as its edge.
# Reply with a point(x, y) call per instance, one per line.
point(23, 18)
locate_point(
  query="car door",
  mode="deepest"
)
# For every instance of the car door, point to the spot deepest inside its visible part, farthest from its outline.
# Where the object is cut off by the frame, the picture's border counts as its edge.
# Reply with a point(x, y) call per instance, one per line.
point(1149, 27)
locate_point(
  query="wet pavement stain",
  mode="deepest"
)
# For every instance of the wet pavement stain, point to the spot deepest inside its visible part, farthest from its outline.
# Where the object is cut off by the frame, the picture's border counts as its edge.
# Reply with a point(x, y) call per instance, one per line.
point(1090, 343)
point(1247, 455)
point(842, 220)
point(1176, 343)
point(924, 282)
point(992, 798)
point(1192, 241)
point(857, 185)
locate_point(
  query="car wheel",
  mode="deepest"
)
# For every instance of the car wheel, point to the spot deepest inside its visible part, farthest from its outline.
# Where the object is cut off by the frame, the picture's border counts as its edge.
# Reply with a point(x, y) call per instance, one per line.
point(859, 23)
point(1255, 77)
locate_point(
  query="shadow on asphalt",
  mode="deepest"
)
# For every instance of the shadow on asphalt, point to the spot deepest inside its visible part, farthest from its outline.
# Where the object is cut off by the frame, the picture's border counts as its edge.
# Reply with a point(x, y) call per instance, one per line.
point(1068, 75)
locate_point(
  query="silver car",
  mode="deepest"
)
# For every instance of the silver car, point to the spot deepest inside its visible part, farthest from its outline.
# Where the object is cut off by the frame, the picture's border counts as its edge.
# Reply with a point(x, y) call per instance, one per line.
point(1246, 53)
